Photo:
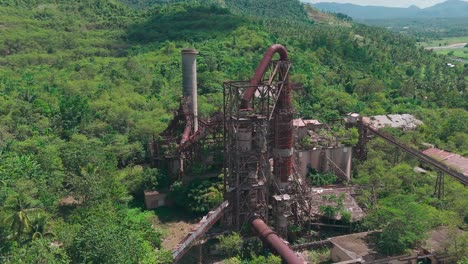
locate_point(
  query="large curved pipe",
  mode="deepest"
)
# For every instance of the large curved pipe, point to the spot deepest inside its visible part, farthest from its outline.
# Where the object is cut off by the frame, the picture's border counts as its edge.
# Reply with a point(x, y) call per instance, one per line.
point(261, 69)
point(283, 142)
point(274, 241)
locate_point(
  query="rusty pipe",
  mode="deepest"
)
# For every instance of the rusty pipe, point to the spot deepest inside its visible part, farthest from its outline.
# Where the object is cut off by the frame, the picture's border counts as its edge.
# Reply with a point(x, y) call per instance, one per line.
point(261, 69)
point(216, 119)
point(188, 124)
point(274, 241)
point(283, 142)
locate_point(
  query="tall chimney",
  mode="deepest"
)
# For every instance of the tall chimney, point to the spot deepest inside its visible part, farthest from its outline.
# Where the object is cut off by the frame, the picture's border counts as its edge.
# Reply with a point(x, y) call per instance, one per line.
point(189, 72)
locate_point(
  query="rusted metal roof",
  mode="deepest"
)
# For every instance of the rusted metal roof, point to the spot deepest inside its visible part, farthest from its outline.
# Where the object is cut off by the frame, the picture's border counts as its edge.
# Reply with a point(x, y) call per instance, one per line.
point(453, 160)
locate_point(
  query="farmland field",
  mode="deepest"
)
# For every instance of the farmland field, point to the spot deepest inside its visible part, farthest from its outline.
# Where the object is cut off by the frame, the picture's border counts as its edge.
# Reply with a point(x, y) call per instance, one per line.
point(444, 41)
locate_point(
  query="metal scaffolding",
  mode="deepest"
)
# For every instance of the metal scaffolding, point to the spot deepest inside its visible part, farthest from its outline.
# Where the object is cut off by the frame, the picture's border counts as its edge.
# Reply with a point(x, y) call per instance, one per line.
point(250, 136)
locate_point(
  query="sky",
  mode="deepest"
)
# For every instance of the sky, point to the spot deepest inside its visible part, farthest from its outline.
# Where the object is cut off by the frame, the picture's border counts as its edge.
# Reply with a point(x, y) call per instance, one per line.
point(392, 3)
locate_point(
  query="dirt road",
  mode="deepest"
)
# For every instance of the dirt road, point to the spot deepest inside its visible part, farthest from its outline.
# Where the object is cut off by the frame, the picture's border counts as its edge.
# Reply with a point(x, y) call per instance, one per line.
point(451, 46)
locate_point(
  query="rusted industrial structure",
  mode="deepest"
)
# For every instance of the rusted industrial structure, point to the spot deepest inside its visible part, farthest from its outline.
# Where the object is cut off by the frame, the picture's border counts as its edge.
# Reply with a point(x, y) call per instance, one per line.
point(263, 158)
point(255, 130)
point(258, 122)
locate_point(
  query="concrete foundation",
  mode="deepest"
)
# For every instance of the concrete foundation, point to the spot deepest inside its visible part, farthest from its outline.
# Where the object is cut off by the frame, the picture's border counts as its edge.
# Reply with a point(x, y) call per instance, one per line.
point(337, 159)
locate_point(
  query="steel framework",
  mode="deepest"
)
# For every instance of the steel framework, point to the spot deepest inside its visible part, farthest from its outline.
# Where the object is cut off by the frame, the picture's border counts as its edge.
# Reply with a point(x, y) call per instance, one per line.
point(249, 137)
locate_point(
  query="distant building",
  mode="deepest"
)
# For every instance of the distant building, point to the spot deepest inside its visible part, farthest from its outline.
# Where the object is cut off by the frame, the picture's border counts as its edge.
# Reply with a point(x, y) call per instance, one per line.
point(403, 121)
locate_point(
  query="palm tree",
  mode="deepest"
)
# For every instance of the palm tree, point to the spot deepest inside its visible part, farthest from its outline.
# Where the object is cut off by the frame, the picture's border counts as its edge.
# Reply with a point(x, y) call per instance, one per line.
point(19, 209)
point(39, 227)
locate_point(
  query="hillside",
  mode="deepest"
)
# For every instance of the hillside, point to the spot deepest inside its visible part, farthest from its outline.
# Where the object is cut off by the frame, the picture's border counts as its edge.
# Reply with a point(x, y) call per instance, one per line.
point(448, 9)
point(274, 9)
point(85, 85)
point(320, 17)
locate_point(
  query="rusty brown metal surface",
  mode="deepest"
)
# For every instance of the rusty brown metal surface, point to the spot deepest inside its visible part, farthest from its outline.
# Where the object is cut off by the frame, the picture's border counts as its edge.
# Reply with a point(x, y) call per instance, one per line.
point(188, 124)
point(274, 241)
point(283, 144)
point(261, 69)
point(284, 139)
point(205, 224)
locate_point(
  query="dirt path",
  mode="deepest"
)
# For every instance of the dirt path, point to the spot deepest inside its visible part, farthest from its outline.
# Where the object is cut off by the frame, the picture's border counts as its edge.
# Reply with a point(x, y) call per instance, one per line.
point(176, 231)
point(451, 46)
point(175, 224)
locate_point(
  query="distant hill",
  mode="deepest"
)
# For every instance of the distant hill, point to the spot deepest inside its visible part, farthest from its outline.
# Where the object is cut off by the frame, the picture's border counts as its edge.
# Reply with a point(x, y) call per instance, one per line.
point(264, 8)
point(448, 9)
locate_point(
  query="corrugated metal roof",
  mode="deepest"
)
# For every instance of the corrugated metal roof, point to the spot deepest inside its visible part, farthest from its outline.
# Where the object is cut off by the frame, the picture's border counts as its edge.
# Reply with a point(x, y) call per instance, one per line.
point(453, 160)
point(299, 122)
point(311, 122)
point(404, 121)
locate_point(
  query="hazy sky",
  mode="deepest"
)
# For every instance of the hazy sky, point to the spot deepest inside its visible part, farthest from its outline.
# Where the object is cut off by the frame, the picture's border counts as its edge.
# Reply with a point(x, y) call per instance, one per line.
point(395, 3)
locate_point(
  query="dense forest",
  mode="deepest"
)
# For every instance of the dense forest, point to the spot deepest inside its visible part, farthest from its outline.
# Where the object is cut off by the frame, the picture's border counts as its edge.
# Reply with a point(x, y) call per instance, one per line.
point(84, 85)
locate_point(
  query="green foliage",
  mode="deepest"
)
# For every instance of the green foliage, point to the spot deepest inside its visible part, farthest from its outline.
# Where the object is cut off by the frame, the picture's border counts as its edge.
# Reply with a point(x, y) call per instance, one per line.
point(319, 256)
point(199, 196)
point(111, 237)
point(271, 259)
point(458, 244)
point(39, 251)
point(73, 111)
point(164, 257)
point(268, 8)
point(349, 137)
point(403, 221)
point(186, 22)
point(321, 179)
point(137, 180)
point(230, 245)
point(204, 196)
point(85, 85)
point(21, 215)
point(335, 208)
point(374, 174)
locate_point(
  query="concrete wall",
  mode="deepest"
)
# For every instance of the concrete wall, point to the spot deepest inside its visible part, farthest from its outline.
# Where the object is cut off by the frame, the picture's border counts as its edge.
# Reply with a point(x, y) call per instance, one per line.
point(338, 254)
point(323, 160)
point(154, 199)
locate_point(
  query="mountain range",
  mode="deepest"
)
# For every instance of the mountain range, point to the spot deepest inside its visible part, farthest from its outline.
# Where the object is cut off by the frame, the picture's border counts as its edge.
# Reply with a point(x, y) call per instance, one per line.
point(448, 9)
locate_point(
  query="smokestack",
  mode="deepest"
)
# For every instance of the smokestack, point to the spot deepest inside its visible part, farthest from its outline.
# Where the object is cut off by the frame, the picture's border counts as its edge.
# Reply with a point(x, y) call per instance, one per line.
point(189, 72)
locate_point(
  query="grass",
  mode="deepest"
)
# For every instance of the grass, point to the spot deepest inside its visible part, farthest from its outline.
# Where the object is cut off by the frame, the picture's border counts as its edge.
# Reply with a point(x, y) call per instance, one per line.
point(321, 255)
point(456, 53)
point(444, 41)
point(459, 53)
